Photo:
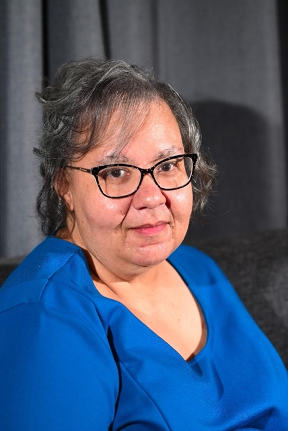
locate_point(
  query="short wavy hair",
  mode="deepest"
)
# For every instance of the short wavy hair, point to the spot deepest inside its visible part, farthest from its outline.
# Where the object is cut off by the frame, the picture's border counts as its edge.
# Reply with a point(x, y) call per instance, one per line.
point(77, 108)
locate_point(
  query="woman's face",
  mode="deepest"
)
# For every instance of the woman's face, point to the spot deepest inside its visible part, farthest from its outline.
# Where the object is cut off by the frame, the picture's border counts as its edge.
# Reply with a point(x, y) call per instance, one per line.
point(126, 236)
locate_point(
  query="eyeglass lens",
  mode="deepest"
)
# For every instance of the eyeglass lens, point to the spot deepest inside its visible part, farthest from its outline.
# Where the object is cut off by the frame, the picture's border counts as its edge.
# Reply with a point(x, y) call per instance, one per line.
point(121, 180)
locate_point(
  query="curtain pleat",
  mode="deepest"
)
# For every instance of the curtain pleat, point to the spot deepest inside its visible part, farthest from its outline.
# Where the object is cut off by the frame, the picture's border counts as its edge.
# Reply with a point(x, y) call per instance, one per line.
point(132, 31)
point(224, 57)
point(21, 71)
point(74, 31)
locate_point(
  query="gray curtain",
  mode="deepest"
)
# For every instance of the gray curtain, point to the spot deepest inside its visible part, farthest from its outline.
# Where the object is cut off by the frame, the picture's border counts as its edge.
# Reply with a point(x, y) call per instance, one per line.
point(225, 57)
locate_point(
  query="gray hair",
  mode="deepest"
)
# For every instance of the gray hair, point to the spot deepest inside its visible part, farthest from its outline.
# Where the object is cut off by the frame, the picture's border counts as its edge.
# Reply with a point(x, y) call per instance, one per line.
point(76, 110)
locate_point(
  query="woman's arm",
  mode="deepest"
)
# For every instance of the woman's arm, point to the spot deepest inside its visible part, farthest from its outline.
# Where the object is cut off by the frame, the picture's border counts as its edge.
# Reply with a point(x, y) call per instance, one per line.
point(56, 372)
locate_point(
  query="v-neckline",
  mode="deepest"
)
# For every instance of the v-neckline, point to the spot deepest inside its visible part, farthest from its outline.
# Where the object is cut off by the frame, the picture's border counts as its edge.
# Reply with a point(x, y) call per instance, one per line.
point(193, 358)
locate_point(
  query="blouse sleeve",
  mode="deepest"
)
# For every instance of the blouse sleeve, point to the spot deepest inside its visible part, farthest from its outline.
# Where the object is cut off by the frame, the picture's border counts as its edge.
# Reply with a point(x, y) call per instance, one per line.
point(56, 372)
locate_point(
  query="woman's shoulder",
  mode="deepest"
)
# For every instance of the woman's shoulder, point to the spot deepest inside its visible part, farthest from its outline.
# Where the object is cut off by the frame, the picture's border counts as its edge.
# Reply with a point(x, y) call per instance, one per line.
point(52, 274)
point(44, 260)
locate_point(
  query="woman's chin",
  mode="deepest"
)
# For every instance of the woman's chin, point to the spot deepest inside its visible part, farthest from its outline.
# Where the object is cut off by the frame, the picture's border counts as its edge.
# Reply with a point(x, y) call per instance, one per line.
point(152, 254)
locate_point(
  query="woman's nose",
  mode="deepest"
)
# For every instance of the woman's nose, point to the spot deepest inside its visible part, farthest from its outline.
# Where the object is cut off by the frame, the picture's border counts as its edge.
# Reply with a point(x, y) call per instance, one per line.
point(149, 195)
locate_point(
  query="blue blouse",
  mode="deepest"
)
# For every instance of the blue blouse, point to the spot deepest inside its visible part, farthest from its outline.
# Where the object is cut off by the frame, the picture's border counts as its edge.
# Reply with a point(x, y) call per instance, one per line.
point(71, 359)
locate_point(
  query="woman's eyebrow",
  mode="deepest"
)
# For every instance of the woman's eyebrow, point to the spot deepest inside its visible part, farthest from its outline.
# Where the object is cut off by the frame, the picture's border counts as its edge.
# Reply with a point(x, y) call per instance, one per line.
point(119, 158)
point(172, 151)
point(113, 159)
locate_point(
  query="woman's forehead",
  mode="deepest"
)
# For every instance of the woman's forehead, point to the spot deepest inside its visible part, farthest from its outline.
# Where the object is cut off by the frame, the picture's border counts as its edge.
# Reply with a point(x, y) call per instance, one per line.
point(119, 139)
point(117, 128)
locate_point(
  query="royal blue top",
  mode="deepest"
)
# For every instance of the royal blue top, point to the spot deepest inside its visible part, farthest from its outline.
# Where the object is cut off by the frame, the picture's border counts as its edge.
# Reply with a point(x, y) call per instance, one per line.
point(71, 359)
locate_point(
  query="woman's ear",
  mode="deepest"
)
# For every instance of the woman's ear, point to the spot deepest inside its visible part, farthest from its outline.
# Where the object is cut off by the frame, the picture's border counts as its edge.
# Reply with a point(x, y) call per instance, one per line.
point(63, 189)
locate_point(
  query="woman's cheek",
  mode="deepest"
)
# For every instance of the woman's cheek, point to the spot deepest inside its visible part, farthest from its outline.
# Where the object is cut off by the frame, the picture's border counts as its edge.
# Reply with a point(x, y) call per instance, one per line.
point(184, 200)
point(120, 206)
point(107, 212)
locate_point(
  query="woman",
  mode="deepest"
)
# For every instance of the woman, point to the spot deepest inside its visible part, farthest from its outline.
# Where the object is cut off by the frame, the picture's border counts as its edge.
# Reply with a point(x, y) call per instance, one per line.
point(110, 324)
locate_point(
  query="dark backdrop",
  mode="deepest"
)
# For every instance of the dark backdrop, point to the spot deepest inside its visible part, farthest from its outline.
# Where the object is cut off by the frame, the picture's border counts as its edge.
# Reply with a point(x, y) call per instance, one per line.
point(226, 57)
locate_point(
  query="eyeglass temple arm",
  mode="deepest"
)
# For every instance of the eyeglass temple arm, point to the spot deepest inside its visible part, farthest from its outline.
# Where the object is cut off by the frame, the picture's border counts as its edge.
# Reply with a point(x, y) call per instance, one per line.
point(79, 168)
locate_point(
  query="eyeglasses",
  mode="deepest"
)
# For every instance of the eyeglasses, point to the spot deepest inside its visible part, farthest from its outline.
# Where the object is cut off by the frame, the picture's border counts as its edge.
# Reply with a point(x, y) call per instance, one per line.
point(121, 180)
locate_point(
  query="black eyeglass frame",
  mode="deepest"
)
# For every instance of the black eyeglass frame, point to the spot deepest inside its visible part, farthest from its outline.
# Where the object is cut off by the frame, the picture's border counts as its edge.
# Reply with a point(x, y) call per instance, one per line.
point(95, 171)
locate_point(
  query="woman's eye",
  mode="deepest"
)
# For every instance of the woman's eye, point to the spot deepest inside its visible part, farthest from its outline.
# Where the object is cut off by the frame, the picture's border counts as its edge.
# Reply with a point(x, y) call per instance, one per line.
point(168, 166)
point(114, 173)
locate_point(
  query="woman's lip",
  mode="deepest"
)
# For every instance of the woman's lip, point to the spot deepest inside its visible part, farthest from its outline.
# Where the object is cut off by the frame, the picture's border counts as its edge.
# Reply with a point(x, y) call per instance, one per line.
point(150, 229)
